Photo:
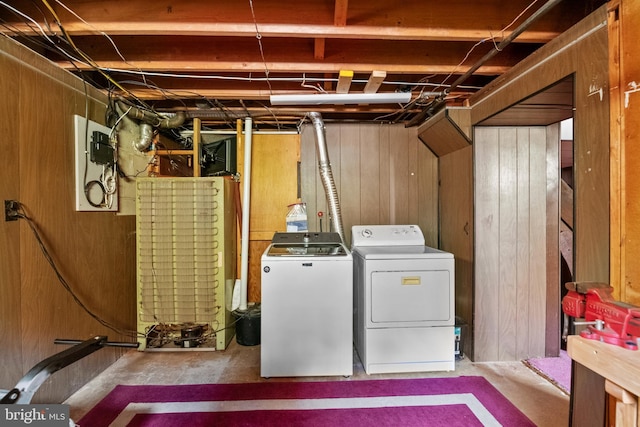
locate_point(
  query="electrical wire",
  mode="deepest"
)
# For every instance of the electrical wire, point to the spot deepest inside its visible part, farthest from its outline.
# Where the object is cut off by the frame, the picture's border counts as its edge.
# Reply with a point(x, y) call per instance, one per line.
point(75, 48)
point(491, 37)
point(115, 47)
point(21, 214)
point(304, 80)
point(259, 38)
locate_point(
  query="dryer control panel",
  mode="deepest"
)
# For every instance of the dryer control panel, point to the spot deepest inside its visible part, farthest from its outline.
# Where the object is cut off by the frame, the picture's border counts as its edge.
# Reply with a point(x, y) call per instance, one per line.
point(386, 235)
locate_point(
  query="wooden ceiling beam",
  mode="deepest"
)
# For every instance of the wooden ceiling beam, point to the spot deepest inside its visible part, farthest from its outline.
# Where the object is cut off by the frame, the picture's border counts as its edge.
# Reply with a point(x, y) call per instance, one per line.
point(374, 82)
point(344, 81)
point(274, 67)
point(223, 29)
point(340, 13)
point(318, 48)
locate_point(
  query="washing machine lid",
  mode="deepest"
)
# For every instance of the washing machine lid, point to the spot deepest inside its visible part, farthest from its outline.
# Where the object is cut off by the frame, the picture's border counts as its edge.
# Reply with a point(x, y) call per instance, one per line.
point(307, 250)
point(309, 237)
point(306, 244)
point(400, 252)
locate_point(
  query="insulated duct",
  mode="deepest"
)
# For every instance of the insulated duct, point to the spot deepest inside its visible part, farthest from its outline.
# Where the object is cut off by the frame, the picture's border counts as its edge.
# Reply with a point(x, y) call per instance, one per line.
point(148, 120)
point(165, 121)
point(146, 137)
point(325, 174)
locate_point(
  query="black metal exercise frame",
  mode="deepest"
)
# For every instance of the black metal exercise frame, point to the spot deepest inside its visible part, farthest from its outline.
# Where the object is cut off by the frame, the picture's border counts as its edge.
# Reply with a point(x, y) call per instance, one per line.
point(28, 385)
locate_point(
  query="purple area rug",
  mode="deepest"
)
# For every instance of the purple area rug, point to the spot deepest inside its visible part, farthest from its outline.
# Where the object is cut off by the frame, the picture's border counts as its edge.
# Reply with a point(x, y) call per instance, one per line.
point(557, 370)
point(434, 402)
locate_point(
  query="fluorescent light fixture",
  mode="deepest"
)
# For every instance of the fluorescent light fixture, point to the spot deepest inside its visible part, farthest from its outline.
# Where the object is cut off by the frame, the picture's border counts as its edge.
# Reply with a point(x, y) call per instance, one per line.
point(342, 98)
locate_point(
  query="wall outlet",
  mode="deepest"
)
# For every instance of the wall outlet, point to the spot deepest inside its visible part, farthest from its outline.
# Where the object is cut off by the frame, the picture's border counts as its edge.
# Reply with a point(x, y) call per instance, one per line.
point(11, 210)
point(91, 162)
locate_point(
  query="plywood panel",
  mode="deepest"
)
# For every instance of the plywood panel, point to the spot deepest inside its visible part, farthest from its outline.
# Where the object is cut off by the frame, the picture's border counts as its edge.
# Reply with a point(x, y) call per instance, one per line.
point(630, 111)
point(44, 301)
point(350, 174)
point(412, 175)
point(456, 231)
point(523, 237)
point(370, 174)
point(274, 186)
point(509, 286)
point(510, 215)
point(538, 245)
point(442, 134)
point(398, 176)
point(591, 167)
point(427, 193)
point(553, 222)
point(94, 253)
point(274, 182)
point(487, 245)
point(386, 176)
point(616, 154)
point(10, 303)
point(254, 284)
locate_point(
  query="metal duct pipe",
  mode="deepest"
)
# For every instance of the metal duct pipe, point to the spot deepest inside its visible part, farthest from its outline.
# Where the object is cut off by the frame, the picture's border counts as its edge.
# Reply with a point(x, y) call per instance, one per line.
point(234, 115)
point(326, 175)
point(146, 137)
point(173, 121)
point(216, 114)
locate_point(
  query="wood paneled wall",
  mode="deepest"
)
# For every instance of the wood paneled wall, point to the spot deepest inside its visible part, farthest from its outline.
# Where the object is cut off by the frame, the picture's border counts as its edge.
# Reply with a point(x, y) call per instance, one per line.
point(95, 252)
point(457, 231)
point(624, 31)
point(274, 186)
point(581, 51)
point(383, 173)
point(511, 236)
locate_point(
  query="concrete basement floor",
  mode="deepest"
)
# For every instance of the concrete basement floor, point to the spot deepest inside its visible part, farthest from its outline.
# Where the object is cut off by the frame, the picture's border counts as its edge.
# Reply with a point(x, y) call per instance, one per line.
point(541, 401)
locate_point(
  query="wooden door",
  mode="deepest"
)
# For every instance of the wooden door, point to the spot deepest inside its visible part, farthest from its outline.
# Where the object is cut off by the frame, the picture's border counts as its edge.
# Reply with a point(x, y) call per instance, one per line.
point(511, 233)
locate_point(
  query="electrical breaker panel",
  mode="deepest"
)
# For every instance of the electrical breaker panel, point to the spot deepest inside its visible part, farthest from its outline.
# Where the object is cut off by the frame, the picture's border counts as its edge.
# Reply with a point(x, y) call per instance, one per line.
point(96, 167)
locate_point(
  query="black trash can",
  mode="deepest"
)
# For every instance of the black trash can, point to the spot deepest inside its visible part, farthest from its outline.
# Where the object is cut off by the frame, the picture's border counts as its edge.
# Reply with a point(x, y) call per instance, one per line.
point(248, 325)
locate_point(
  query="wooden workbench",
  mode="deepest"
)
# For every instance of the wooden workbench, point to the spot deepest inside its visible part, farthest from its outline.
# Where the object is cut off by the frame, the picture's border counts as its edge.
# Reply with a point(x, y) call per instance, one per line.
point(599, 369)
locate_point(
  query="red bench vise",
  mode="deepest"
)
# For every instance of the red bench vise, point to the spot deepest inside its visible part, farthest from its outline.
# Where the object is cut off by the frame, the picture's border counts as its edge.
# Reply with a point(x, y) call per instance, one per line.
point(608, 320)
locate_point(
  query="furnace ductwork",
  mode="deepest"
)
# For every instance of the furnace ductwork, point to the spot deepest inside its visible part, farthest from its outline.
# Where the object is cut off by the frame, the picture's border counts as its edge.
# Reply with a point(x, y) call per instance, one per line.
point(166, 121)
point(326, 175)
point(146, 137)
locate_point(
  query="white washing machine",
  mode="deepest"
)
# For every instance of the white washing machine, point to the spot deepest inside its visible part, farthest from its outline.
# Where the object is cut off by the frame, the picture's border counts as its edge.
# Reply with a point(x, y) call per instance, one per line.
point(306, 306)
point(404, 308)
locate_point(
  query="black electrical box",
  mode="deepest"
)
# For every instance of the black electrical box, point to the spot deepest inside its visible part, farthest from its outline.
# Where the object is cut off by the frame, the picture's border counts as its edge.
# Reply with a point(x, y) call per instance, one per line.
point(101, 151)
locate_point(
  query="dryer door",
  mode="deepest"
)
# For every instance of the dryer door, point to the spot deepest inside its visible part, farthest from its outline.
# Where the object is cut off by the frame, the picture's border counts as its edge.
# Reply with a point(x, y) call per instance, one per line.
point(411, 298)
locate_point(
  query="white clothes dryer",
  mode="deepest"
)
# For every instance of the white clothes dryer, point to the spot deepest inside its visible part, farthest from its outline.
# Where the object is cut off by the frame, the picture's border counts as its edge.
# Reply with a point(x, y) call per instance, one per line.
point(404, 308)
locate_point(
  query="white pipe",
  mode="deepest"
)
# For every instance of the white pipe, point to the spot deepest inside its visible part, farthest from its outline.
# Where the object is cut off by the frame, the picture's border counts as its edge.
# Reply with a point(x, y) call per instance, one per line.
point(244, 255)
point(341, 98)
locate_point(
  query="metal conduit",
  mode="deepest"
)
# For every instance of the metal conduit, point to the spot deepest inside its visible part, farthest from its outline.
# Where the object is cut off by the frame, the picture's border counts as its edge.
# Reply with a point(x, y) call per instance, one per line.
point(435, 105)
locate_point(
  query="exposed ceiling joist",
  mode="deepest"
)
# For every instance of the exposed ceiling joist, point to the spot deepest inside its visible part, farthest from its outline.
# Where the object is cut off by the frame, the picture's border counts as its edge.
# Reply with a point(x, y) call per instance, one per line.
point(340, 15)
point(374, 82)
point(238, 53)
point(344, 81)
